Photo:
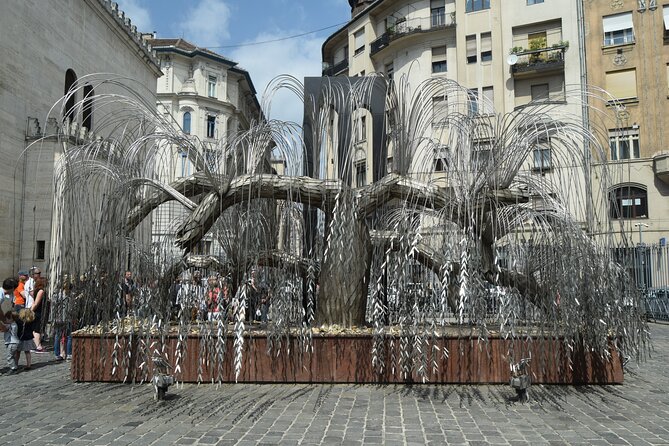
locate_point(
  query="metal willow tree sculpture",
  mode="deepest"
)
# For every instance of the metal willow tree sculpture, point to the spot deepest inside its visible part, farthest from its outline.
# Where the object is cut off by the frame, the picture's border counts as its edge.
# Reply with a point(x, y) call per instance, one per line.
point(483, 244)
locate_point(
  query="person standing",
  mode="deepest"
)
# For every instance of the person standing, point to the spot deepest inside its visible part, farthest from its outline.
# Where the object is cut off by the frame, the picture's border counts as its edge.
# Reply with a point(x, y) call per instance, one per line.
point(265, 299)
point(34, 274)
point(213, 299)
point(128, 289)
point(7, 291)
point(37, 307)
point(25, 327)
point(253, 298)
point(62, 322)
point(19, 292)
point(10, 329)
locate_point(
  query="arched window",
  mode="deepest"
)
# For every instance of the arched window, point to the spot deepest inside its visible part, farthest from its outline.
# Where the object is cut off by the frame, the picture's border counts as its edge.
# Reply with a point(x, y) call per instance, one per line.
point(70, 85)
point(186, 122)
point(628, 201)
point(88, 107)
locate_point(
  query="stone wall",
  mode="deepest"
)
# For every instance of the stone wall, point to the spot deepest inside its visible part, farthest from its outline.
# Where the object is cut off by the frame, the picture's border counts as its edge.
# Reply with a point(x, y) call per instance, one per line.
point(42, 41)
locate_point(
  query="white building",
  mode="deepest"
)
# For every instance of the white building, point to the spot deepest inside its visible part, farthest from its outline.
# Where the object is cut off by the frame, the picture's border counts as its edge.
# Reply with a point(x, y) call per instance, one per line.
point(46, 48)
point(210, 98)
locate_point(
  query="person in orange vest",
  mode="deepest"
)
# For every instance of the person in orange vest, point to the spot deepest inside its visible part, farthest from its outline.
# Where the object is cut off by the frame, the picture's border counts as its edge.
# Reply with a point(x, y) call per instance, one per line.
point(19, 292)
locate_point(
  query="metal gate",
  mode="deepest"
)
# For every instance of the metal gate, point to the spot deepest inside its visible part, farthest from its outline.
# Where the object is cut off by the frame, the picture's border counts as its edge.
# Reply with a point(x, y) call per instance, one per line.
point(651, 270)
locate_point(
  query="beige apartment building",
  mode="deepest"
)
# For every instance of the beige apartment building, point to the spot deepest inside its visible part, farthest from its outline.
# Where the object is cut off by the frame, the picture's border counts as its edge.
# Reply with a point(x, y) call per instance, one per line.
point(628, 55)
point(505, 53)
point(512, 52)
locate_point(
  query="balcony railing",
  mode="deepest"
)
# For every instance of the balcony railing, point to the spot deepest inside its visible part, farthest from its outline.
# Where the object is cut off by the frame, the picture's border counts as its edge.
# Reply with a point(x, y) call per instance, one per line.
point(331, 70)
point(412, 26)
point(544, 59)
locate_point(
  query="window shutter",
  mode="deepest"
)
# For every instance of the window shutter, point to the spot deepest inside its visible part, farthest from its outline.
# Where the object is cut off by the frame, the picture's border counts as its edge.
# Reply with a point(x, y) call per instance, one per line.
point(617, 22)
point(471, 46)
point(438, 53)
point(486, 42)
point(621, 84)
point(359, 39)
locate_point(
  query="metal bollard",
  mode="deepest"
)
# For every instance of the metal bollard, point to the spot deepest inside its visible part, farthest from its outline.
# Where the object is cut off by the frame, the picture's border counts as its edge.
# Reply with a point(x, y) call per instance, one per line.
point(520, 379)
point(161, 377)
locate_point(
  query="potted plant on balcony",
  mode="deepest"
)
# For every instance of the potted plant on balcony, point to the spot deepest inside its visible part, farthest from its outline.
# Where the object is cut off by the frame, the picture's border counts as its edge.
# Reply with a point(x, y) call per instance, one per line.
point(536, 44)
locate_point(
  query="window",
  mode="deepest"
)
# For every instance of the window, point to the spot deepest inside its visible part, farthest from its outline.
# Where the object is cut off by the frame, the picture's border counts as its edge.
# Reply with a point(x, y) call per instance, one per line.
point(87, 110)
point(624, 143)
point(441, 158)
point(186, 123)
point(211, 86)
point(391, 21)
point(486, 47)
point(473, 102)
point(341, 54)
point(390, 71)
point(477, 5)
point(534, 2)
point(40, 250)
point(665, 14)
point(439, 64)
point(628, 202)
point(211, 158)
point(361, 129)
point(70, 86)
point(211, 126)
point(185, 164)
point(618, 29)
point(359, 41)
point(542, 156)
point(471, 48)
point(488, 104)
point(203, 247)
point(622, 84)
point(439, 109)
point(438, 12)
point(482, 153)
point(539, 92)
point(537, 41)
point(361, 174)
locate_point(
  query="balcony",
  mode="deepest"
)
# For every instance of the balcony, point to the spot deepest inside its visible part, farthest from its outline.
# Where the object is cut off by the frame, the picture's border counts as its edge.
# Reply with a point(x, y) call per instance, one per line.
point(661, 166)
point(335, 69)
point(408, 27)
point(542, 61)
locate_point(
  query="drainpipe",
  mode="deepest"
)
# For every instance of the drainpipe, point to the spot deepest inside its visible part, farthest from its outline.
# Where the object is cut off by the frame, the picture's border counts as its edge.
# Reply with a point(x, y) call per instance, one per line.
point(18, 233)
point(585, 114)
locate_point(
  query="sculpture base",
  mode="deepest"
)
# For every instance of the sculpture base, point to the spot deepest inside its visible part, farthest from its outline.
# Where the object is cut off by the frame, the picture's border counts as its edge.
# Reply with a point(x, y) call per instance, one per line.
point(343, 359)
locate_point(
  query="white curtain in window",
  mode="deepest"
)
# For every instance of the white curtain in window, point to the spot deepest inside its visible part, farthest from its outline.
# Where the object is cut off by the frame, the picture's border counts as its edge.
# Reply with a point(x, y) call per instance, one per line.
point(471, 46)
point(488, 100)
point(665, 11)
point(618, 22)
point(360, 39)
point(486, 42)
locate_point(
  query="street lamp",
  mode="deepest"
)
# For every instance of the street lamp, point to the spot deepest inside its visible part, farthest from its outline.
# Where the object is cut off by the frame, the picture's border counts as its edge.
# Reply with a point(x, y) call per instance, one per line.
point(640, 226)
point(642, 254)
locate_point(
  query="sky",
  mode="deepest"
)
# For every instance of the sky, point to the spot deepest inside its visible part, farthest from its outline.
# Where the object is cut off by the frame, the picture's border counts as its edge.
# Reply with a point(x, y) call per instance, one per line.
point(222, 25)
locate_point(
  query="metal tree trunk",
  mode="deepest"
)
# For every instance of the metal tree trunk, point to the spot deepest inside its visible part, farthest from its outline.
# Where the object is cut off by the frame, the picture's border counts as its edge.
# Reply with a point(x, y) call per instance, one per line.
point(344, 276)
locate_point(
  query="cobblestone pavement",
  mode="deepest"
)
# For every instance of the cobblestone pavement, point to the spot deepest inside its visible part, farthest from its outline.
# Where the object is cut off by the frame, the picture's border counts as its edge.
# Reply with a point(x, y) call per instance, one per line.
point(43, 406)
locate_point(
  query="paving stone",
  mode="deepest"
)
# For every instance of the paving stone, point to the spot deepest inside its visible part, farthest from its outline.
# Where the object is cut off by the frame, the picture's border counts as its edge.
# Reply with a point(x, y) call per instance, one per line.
point(64, 412)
